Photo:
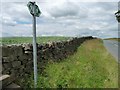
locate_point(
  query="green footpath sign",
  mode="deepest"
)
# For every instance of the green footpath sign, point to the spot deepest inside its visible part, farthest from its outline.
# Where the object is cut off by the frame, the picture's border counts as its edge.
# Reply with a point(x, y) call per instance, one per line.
point(34, 9)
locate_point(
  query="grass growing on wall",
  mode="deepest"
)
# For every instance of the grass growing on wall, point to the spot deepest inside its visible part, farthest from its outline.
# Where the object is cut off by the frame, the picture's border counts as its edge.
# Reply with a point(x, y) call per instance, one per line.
point(21, 40)
point(90, 67)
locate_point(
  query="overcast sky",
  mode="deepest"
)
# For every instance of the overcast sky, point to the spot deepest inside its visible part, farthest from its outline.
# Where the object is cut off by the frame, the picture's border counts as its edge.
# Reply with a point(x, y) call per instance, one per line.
point(61, 18)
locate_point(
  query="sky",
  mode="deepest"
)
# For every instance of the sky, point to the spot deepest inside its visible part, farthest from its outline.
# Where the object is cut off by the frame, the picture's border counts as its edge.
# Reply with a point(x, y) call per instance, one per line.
point(60, 18)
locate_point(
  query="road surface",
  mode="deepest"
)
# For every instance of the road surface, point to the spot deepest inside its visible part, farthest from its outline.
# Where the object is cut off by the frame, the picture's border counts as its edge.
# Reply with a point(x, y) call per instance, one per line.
point(113, 47)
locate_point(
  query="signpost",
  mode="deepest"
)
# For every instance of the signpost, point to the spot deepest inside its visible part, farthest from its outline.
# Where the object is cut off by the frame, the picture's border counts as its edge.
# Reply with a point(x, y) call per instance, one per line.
point(34, 10)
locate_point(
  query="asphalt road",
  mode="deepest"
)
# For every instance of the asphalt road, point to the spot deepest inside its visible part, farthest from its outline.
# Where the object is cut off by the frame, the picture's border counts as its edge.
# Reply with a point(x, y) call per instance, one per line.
point(113, 47)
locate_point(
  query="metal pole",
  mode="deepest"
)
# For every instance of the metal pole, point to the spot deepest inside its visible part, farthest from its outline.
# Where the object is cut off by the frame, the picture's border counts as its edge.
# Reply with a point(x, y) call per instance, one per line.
point(34, 50)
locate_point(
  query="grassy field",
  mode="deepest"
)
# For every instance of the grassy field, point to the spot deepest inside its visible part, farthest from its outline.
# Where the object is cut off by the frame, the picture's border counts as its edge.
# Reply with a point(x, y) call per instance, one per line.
point(116, 39)
point(19, 40)
point(90, 67)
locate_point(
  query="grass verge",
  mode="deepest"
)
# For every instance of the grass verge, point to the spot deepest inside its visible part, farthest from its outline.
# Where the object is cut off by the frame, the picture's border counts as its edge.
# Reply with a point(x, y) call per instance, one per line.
point(90, 67)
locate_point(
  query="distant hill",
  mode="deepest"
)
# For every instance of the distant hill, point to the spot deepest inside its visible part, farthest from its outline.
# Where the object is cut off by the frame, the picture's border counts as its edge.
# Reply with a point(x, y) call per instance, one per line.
point(116, 39)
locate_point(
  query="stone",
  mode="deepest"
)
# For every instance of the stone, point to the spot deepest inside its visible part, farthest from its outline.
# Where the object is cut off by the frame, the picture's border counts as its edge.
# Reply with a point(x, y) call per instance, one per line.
point(4, 80)
point(12, 58)
point(7, 50)
point(14, 72)
point(28, 56)
point(16, 63)
point(6, 59)
point(50, 44)
point(27, 46)
point(13, 85)
point(0, 51)
point(7, 65)
point(22, 68)
point(40, 46)
point(29, 64)
point(24, 62)
point(18, 51)
point(6, 72)
point(28, 52)
point(1, 68)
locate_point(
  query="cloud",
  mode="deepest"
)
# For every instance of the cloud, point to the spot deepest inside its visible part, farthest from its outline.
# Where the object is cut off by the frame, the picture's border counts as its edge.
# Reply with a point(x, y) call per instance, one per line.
point(61, 0)
point(63, 18)
point(17, 30)
point(8, 21)
point(15, 11)
point(64, 10)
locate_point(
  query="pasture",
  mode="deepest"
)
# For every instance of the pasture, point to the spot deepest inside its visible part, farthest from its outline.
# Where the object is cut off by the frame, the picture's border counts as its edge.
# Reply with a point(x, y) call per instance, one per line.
point(21, 40)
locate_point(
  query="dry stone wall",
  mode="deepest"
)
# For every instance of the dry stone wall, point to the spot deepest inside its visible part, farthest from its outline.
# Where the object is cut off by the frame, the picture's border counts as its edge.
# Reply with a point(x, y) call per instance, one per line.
point(17, 60)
